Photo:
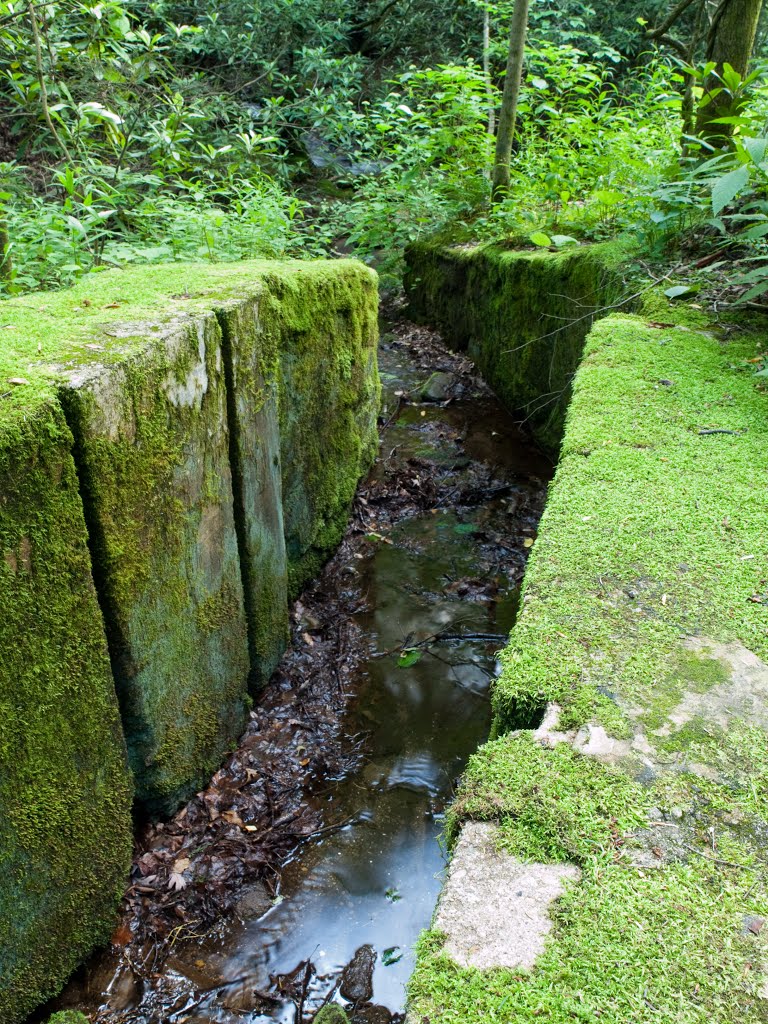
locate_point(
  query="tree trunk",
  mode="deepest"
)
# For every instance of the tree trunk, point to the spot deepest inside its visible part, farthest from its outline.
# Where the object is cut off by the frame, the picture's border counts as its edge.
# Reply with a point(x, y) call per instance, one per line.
point(509, 98)
point(733, 26)
point(488, 89)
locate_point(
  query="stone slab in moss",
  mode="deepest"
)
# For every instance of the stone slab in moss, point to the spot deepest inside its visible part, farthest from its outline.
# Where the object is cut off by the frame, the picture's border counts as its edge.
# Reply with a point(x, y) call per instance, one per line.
point(153, 451)
point(521, 316)
point(643, 629)
point(65, 789)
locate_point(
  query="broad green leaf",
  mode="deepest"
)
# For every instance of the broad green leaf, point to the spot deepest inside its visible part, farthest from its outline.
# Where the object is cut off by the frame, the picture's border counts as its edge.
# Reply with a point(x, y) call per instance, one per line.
point(726, 189)
point(560, 240)
point(539, 238)
point(757, 231)
point(756, 149)
point(408, 658)
point(678, 290)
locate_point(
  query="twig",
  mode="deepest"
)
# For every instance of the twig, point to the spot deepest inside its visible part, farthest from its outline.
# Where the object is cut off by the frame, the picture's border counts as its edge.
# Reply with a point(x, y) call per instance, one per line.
point(721, 430)
point(717, 860)
point(41, 80)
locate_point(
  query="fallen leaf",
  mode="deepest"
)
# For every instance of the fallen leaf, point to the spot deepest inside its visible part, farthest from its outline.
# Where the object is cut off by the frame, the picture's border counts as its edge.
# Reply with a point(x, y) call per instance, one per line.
point(181, 864)
point(112, 305)
point(18, 380)
point(233, 818)
point(528, 542)
point(121, 936)
point(308, 639)
point(177, 882)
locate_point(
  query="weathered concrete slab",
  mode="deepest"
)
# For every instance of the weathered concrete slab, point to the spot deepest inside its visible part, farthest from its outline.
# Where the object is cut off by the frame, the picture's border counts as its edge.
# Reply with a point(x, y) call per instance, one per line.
point(494, 909)
point(253, 394)
point(65, 789)
point(329, 399)
point(153, 451)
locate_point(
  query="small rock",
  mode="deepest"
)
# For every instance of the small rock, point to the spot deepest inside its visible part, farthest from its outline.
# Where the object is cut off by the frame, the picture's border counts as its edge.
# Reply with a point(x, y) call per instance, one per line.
point(357, 977)
point(372, 1015)
point(254, 902)
point(677, 812)
point(436, 387)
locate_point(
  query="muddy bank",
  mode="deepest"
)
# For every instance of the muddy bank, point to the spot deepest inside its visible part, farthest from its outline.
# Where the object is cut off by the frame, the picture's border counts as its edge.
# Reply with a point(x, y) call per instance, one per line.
point(318, 837)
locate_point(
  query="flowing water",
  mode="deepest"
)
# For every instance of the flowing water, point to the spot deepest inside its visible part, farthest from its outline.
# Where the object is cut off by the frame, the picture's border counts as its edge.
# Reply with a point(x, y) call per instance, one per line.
point(451, 573)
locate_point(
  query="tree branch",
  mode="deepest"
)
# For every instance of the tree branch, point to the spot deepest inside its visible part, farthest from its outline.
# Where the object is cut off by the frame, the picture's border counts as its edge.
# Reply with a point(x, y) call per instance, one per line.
point(41, 81)
point(669, 21)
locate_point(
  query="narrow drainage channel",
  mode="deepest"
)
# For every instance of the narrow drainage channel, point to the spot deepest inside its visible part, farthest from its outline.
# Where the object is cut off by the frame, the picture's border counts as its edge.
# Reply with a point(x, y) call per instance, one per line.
point(307, 869)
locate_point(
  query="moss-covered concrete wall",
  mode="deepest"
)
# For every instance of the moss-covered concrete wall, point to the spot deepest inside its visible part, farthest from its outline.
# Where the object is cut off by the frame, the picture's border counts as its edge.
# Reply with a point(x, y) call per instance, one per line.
point(65, 791)
point(643, 631)
point(153, 450)
point(522, 317)
point(174, 445)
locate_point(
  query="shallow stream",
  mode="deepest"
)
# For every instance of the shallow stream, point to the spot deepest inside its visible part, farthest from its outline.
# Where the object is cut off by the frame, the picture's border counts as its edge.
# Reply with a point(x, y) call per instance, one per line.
point(439, 588)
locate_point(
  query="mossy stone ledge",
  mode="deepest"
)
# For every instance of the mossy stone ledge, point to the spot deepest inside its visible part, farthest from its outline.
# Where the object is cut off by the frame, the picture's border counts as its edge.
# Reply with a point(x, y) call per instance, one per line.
point(643, 641)
point(152, 466)
point(522, 317)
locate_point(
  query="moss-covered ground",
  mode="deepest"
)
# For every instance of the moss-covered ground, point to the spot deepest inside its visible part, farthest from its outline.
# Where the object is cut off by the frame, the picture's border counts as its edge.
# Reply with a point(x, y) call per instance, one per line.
point(650, 559)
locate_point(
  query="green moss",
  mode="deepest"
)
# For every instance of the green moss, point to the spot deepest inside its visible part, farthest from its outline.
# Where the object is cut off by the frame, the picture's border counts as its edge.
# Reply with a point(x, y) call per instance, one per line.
point(329, 398)
point(552, 805)
point(139, 377)
point(153, 453)
point(651, 530)
point(65, 791)
point(68, 1017)
point(332, 1014)
point(521, 316)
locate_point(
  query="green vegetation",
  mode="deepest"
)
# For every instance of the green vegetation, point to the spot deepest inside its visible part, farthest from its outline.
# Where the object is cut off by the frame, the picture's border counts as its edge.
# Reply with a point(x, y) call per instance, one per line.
point(667, 944)
point(173, 131)
point(198, 136)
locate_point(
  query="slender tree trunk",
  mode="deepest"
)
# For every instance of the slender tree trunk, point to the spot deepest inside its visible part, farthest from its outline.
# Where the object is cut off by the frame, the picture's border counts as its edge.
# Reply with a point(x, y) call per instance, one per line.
point(489, 87)
point(732, 31)
point(509, 98)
